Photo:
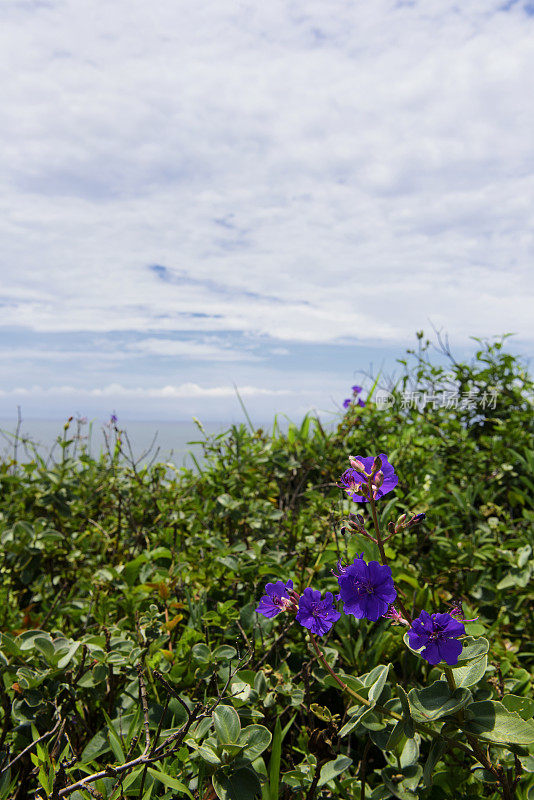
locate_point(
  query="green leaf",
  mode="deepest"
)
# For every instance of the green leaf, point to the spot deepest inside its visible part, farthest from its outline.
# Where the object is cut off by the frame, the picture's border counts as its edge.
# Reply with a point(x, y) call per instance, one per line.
point(473, 648)
point(437, 701)
point(321, 712)
point(406, 711)
point(406, 788)
point(233, 750)
point(224, 653)
point(208, 754)
point(376, 680)
point(130, 570)
point(491, 720)
point(45, 646)
point(274, 763)
point(172, 783)
point(523, 706)
point(332, 769)
point(114, 740)
point(471, 673)
point(97, 746)
point(241, 785)
point(160, 552)
point(372, 721)
point(227, 724)
point(437, 749)
point(484, 775)
point(351, 681)
point(131, 778)
point(396, 735)
point(240, 690)
point(355, 720)
point(256, 739)
point(201, 652)
point(9, 644)
point(410, 752)
point(67, 657)
point(227, 501)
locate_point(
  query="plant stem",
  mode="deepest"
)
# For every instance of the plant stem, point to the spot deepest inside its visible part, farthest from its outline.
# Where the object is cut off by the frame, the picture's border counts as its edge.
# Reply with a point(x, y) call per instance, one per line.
point(476, 749)
point(382, 709)
point(380, 544)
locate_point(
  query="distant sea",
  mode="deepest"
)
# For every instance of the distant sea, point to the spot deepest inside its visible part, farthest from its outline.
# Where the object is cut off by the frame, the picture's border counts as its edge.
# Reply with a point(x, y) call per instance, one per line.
point(171, 440)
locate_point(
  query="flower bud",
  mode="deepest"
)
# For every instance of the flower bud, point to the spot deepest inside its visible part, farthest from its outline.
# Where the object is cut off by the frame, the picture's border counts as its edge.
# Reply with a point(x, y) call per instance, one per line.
point(378, 479)
point(400, 522)
point(377, 464)
point(356, 522)
point(396, 617)
point(356, 464)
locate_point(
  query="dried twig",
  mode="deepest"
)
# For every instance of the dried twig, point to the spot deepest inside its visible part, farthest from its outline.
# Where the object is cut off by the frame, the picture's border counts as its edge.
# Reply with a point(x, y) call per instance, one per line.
point(31, 746)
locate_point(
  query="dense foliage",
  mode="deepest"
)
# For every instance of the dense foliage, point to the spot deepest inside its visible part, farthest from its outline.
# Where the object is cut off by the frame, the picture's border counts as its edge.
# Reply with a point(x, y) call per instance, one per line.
point(128, 596)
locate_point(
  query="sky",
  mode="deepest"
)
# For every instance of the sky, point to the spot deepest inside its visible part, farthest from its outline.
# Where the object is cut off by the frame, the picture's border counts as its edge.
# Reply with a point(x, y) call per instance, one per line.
point(270, 196)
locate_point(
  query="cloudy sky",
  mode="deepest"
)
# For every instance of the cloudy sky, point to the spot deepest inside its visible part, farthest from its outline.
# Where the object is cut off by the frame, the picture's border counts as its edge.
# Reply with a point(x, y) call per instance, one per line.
point(268, 194)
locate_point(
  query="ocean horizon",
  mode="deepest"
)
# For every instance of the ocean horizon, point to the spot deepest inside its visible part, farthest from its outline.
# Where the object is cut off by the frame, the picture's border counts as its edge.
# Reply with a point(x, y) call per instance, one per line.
point(175, 442)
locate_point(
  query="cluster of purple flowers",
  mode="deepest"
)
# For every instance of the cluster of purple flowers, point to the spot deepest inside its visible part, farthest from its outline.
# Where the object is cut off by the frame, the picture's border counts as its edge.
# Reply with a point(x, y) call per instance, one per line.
point(312, 612)
point(354, 400)
point(367, 590)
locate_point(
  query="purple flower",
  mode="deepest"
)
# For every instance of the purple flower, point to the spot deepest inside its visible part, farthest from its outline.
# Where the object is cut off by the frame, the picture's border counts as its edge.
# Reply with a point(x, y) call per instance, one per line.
point(438, 634)
point(366, 590)
point(381, 483)
point(315, 614)
point(350, 400)
point(276, 599)
point(113, 419)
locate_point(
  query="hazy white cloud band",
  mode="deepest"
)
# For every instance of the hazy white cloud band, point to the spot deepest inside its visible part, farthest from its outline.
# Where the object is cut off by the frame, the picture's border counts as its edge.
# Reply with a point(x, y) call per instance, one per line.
point(116, 390)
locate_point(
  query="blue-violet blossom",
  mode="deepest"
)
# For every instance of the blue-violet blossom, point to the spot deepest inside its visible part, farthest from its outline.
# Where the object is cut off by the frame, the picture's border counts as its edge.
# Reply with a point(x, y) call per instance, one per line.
point(382, 482)
point(350, 400)
point(366, 590)
point(315, 614)
point(277, 598)
point(438, 633)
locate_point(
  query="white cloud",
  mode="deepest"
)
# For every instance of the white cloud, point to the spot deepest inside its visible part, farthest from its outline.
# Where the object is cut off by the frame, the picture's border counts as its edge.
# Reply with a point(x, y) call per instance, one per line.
point(116, 390)
point(38, 355)
point(185, 348)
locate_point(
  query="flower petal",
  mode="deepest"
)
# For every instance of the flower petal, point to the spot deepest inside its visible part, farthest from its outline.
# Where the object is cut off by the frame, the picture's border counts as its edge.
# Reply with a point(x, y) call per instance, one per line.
point(450, 650)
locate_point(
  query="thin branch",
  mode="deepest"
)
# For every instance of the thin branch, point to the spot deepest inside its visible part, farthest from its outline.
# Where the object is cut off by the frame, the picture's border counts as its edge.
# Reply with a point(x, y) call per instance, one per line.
point(144, 705)
point(31, 746)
